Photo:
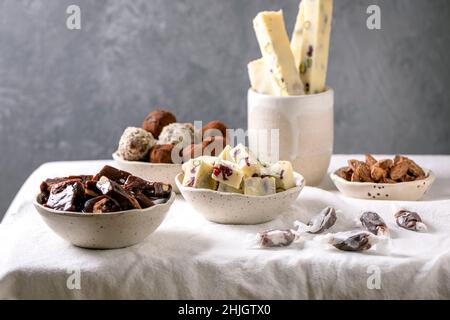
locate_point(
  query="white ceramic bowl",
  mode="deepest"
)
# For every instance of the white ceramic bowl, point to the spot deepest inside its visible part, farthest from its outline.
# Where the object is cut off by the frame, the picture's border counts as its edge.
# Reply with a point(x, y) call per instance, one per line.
point(162, 172)
point(234, 208)
point(404, 191)
point(105, 230)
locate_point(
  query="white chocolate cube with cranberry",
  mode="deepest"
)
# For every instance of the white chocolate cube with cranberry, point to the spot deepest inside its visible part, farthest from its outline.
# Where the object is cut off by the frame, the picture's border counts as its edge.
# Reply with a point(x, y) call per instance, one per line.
point(284, 175)
point(208, 159)
point(225, 154)
point(257, 186)
point(197, 174)
point(228, 173)
point(245, 160)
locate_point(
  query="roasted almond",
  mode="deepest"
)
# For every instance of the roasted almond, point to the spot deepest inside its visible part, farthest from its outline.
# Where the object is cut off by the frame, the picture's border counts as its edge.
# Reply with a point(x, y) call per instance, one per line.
point(415, 169)
point(353, 164)
point(370, 160)
point(363, 171)
point(377, 173)
point(399, 170)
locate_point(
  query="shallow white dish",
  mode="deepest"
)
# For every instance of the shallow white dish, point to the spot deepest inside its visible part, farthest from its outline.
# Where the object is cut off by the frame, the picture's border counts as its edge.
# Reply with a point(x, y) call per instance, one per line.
point(161, 172)
point(403, 191)
point(105, 230)
point(234, 208)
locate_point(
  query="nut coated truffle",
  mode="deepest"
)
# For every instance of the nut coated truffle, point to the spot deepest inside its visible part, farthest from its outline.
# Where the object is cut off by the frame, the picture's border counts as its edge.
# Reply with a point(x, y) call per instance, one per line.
point(218, 126)
point(176, 133)
point(161, 153)
point(135, 144)
point(156, 120)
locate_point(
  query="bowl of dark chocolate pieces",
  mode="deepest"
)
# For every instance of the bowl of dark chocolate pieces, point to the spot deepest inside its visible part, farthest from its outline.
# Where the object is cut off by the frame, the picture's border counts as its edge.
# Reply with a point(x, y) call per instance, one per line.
point(112, 209)
point(157, 149)
point(387, 179)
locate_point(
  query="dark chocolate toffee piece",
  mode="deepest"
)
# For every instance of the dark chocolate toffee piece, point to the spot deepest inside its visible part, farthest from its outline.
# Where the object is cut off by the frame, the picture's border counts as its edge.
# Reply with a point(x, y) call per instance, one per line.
point(113, 174)
point(114, 190)
point(66, 195)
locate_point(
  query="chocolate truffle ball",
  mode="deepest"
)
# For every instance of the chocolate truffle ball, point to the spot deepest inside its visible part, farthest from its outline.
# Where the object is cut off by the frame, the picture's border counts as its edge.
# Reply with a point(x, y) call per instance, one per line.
point(176, 133)
point(161, 153)
point(156, 120)
point(213, 146)
point(135, 144)
point(192, 151)
point(217, 126)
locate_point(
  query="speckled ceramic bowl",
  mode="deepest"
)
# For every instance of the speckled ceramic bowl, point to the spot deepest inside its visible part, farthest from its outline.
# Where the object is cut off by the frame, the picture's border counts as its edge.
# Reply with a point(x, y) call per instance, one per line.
point(234, 208)
point(162, 172)
point(404, 191)
point(106, 230)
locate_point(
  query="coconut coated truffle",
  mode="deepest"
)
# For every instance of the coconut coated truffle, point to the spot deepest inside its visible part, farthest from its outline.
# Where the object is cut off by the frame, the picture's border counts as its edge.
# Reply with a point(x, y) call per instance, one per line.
point(135, 144)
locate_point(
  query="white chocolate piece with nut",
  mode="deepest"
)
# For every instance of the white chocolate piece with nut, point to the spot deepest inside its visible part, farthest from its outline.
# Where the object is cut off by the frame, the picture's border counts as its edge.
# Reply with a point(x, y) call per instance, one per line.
point(297, 35)
point(197, 174)
point(257, 186)
point(208, 159)
point(226, 188)
point(276, 51)
point(260, 77)
point(225, 154)
point(311, 42)
point(283, 173)
point(245, 160)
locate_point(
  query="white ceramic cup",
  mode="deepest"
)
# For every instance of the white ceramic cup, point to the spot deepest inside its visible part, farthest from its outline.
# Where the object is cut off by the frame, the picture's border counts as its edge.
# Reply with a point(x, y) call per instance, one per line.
point(305, 130)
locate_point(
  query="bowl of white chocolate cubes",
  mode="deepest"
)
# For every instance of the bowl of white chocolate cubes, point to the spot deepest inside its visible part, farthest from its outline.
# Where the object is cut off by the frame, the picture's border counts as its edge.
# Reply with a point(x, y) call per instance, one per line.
point(237, 188)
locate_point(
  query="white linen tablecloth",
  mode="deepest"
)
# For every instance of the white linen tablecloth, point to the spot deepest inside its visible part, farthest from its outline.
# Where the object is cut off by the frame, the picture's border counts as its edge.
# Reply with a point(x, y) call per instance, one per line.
point(189, 257)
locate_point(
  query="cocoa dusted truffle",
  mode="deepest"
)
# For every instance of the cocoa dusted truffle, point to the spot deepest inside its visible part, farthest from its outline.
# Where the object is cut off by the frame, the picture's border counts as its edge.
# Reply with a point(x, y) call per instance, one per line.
point(135, 144)
point(192, 151)
point(214, 128)
point(156, 120)
point(213, 146)
point(161, 153)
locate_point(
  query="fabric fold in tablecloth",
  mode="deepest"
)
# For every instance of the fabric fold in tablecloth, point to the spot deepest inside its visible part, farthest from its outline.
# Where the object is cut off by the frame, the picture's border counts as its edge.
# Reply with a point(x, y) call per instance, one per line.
point(189, 257)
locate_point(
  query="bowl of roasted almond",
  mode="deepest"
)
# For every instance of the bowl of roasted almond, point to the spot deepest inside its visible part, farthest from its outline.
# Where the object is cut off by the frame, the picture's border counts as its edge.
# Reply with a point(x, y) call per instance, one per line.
point(387, 179)
point(237, 188)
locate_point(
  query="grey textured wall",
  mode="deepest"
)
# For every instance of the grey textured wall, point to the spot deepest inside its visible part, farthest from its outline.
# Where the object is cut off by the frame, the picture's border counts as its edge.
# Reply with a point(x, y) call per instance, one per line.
point(69, 94)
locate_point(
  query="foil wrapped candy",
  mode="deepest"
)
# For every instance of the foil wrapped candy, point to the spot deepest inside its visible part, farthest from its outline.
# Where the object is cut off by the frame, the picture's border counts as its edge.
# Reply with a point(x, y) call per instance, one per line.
point(357, 240)
point(410, 221)
point(276, 238)
point(282, 238)
point(374, 224)
point(320, 223)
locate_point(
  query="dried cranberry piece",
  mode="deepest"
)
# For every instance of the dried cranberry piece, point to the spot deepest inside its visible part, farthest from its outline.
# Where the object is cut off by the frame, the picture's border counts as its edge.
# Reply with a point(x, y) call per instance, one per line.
point(222, 170)
point(191, 182)
point(310, 51)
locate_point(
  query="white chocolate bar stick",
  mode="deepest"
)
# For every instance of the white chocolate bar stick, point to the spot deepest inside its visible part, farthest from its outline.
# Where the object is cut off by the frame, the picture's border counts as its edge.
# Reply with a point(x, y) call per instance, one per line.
point(276, 51)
